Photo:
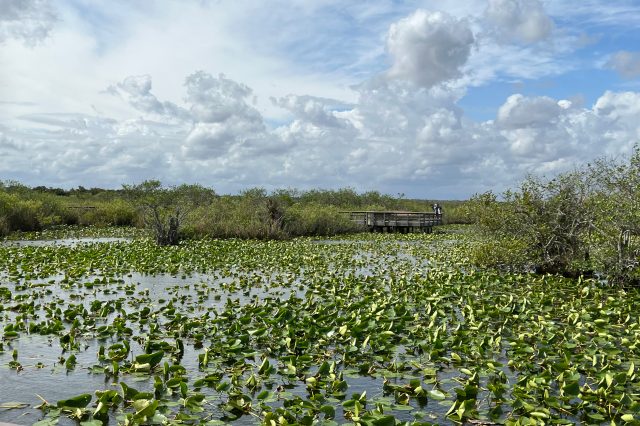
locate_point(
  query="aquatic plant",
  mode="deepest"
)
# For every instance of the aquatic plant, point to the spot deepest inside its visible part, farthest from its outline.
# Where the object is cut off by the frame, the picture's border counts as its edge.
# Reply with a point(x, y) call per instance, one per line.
point(369, 329)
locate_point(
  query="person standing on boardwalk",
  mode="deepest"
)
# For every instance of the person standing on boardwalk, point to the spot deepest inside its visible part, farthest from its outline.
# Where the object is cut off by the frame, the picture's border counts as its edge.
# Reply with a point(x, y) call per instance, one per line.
point(437, 209)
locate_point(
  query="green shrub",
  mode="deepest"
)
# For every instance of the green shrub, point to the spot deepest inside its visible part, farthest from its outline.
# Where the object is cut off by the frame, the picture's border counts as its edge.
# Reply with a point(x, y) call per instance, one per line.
point(581, 222)
point(250, 215)
point(511, 254)
point(20, 214)
point(456, 213)
point(4, 227)
point(317, 220)
point(112, 213)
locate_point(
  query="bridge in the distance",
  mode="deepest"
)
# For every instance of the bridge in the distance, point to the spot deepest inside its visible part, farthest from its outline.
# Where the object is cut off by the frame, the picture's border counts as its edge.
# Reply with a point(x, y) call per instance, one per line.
point(396, 221)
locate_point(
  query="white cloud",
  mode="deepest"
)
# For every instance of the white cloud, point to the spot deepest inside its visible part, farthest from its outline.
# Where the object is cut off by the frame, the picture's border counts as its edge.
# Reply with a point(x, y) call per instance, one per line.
point(81, 148)
point(550, 136)
point(625, 63)
point(27, 20)
point(353, 120)
point(209, 140)
point(537, 131)
point(137, 91)
point(619, 114)
point(319, 111)
point(393, 138)
point(429, 48)
point(524, 20)
point(216, 99)
point(399, 138)
point(395, 108)
point(221, 114)
point(520, 112)
point(619, 106)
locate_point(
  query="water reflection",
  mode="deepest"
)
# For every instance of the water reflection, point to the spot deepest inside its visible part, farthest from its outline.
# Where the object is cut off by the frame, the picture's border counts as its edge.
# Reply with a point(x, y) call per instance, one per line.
point(66, 242)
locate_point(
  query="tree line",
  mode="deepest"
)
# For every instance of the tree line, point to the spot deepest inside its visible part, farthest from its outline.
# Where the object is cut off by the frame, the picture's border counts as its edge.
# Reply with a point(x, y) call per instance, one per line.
point(193, 211)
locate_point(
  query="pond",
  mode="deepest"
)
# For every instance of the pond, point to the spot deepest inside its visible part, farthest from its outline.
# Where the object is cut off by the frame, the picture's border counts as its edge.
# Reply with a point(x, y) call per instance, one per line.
point(372, 329)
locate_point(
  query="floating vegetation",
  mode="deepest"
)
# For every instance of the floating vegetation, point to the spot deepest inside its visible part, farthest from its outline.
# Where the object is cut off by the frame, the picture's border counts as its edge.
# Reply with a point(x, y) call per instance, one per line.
point(369, 329)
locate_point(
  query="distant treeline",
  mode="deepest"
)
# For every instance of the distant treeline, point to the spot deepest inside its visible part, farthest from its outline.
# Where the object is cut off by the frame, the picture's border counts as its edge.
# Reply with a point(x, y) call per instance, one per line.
point(249, 214)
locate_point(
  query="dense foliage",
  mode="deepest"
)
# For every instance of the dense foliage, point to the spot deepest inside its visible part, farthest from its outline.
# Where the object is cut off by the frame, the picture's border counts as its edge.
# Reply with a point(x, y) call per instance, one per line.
point(583, 222)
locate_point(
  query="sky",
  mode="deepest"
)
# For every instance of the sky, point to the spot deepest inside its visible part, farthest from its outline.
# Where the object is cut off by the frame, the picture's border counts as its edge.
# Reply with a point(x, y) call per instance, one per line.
point(430, 99)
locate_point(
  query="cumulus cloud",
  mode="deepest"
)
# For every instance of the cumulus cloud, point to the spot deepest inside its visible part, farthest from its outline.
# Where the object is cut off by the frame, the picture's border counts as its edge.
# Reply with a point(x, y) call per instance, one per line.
point(217, 119)
point(619, 106)
point(537, 130)
point(394, 137)
point(26, 20)
point(222, 115)
point(625, 63)
point(213, 140)
point(59, 149)
point(523, 20)
point(400, 131)
point(136, 90)
point(519, 112)
point(550, 136)
point(397, 136)
point(216, 99)
point(619, 115)
point(429, 48)
point(319, 111)
point(394, 108)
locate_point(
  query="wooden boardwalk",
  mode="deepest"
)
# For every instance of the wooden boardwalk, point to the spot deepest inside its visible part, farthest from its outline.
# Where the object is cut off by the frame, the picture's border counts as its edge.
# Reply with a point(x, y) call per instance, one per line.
point(396, 221)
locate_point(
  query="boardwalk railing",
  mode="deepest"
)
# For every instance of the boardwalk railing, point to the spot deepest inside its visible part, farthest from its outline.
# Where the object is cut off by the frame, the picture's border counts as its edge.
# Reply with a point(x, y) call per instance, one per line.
point(393, 221)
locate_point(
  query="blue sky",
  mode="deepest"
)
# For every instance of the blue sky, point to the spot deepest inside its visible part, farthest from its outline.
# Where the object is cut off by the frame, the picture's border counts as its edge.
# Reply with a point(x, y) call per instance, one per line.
point(582, 86)
point(433, 99)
